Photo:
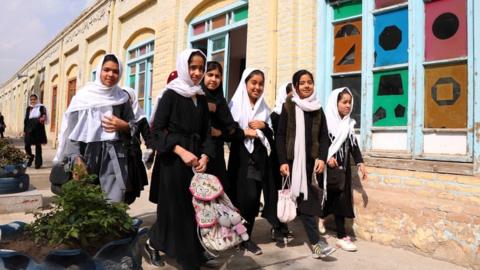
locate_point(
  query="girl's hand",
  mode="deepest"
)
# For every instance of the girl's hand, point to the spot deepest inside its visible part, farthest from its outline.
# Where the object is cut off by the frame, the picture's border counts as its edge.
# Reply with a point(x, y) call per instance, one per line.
point(80, 169)
point(202, 164)
point(319, 166)
point(250, 133)
point(113, 124)
point(212, 107)
point(362, 172)
point(256, 124)
point(187, 157)
point(332, 162)
point(284, 170)
point(215, 132)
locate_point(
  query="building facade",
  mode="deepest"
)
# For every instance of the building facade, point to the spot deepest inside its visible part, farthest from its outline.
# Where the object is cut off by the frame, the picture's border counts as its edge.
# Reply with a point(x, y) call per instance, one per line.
point(412, 66)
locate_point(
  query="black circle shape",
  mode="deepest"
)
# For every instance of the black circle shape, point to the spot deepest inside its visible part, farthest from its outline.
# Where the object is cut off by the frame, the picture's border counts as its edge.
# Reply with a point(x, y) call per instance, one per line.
point(390, 37)
point(445, 25)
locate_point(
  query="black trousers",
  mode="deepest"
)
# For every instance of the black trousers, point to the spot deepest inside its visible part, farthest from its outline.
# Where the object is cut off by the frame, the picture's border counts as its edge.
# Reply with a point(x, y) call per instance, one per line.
point(340, 224)
point(310, 223)
point(38, 153)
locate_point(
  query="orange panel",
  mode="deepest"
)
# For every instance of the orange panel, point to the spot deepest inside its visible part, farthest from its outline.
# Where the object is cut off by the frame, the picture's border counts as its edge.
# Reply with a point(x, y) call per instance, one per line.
point(219, 21)
point(347, 52)
point(446, 96)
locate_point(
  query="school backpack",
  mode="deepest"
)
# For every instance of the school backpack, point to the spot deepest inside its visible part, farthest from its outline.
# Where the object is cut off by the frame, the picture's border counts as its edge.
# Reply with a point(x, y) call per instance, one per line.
point(219, 225)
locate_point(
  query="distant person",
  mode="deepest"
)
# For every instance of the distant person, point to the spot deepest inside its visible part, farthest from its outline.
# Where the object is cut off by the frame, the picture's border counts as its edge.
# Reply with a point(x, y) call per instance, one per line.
point(2, 125)
point(34, 130)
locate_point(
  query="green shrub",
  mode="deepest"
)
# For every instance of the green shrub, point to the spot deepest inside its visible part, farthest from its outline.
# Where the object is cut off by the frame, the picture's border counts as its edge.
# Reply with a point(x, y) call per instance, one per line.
point(81, 217)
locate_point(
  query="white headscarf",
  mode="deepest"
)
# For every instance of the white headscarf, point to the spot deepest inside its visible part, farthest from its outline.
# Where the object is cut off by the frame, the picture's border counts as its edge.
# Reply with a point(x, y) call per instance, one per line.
point(280, 99)
point(338, 127)
point(242, 111)
point(183, 84)
point(92, 102)
point(137, 110)
point(35, 111)
point(299, 168)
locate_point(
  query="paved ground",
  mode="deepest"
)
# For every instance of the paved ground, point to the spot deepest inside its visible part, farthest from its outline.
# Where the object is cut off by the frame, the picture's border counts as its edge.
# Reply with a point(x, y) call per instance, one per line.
point(296, 255)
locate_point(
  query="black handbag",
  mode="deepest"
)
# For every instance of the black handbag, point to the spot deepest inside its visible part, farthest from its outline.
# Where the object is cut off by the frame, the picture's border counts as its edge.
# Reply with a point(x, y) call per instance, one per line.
point(59, 175)
point(336, 176)
point(336, 179)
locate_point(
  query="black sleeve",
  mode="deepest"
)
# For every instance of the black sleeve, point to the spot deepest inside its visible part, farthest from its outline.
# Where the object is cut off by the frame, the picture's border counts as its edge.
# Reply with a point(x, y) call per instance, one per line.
point(274, 117)
point(208, 146)
point(43, 111)
point(160, 139)
point(356, 153)
point(281, 137)
point(25, 121)
point(323, 139)
point(144, 129)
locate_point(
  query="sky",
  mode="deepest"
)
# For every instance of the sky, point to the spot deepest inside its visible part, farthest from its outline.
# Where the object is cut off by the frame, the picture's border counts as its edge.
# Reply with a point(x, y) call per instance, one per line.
point(27, 26)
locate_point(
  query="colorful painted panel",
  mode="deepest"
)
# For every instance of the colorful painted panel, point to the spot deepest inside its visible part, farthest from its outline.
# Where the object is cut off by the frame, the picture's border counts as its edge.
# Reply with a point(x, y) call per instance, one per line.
point(391, 38)
point(390, 101)
point(199, 28)
point(354, 84)
point(240, 14)
point(446, 96)
point(386, 3)
point(346, 10)
point(219, 21)
point(347, 46)
point(445, 29)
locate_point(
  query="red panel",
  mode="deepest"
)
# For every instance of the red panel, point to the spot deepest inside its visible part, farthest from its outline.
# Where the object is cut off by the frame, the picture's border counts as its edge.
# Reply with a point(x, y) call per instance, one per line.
point(447, 46)
point(386, 3)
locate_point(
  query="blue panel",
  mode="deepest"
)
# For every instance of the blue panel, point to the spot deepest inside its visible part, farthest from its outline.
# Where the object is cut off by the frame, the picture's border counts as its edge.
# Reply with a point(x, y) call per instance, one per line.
point(391, 38)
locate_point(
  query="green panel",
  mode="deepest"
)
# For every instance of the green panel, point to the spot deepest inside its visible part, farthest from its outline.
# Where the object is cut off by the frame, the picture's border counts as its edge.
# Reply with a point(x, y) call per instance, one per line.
point(240, 14)
point(218, 44)
point(390, 98)
point(347, 10)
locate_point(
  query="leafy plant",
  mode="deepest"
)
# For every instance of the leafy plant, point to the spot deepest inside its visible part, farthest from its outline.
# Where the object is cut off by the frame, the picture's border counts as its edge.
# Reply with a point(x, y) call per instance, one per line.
point(81, 216)
point(9, 154)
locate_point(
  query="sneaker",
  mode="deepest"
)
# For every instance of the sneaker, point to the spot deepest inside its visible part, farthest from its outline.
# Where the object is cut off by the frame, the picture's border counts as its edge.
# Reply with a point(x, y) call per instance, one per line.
point(346, 244)
point(321, 227)
point(153, 254)
point(250, 246)
point(322, 250)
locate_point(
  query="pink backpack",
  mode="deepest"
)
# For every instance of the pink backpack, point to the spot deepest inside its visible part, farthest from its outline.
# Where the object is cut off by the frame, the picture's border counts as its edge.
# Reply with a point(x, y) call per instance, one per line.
point(220, 226)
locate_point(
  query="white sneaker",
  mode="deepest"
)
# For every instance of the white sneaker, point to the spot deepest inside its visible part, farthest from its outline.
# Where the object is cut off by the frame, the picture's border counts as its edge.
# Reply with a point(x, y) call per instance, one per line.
point(346, 244)
point(321, 227)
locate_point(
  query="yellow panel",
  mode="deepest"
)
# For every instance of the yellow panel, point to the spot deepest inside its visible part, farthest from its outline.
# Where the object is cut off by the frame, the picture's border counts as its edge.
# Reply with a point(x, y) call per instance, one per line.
point(446, 96)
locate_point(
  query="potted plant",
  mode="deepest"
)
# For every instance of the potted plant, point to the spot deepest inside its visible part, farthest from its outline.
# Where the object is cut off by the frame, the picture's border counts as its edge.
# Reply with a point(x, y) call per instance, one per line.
point(12, 169)
point(82, 230)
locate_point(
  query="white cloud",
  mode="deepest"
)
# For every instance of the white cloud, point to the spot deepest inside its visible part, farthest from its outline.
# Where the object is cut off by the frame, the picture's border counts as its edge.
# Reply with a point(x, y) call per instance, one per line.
point(27, 26)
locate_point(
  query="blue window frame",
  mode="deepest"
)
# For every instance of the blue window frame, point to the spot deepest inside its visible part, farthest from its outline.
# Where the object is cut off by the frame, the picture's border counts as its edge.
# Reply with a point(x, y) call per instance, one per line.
point(139, 73)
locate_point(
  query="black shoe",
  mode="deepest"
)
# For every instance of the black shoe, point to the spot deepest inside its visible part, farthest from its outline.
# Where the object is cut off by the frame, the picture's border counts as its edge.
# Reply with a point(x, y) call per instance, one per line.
point(153, 255)
point(277, 236)
point(30, 161)
point(38, 166)
point(210, 261)
point(250, 246)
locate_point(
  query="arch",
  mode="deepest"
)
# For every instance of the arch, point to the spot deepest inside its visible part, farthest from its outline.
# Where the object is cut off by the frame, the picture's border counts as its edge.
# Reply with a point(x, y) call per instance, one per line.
point(54, 79)
point(139, 35)
point(72, 71)
point(206, 6)
point(95, 56)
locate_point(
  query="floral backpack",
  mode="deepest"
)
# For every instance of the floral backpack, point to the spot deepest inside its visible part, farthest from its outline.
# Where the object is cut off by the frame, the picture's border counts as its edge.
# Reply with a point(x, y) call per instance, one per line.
point(219, 225)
